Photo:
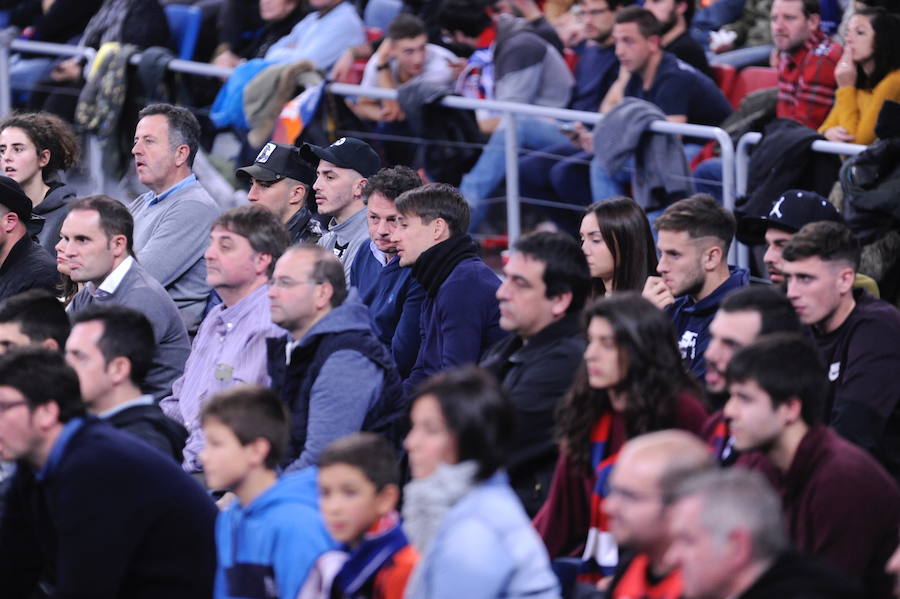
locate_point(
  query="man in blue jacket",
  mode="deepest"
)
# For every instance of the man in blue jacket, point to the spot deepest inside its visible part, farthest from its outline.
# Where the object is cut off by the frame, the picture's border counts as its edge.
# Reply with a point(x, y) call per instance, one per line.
point(392, 294)
point(694, 236)
point(92, 512)
point(461, 314)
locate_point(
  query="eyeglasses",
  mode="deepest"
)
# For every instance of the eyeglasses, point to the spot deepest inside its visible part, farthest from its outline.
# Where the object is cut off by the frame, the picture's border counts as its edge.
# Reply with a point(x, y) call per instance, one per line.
point(8, 405)
point(287, 283)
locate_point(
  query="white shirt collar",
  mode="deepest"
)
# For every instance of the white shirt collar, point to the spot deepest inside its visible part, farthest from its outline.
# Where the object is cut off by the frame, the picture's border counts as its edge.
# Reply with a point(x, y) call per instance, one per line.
point(143, 400)
point(113, 279)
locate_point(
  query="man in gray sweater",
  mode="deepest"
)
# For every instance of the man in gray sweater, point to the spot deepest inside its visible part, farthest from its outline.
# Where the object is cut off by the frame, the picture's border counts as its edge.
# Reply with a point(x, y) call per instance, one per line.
point(96, 240)
point(172, 220)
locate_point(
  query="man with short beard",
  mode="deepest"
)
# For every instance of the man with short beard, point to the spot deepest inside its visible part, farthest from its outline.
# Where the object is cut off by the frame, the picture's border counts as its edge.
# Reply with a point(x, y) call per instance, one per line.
point(675, 16)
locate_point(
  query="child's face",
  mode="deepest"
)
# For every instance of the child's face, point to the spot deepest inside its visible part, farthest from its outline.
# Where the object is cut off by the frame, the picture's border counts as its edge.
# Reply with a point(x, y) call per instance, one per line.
point(225, 461)
point(349, 502)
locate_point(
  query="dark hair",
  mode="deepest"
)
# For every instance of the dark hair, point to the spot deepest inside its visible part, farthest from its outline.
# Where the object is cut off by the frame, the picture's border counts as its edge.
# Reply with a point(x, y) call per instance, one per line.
point(565, 267)
point(126, 333)
point(260, 227)
point(115, 219)
point(700, 216)
point(785, 366)
point(466, 16)
point(370, 453)
point(626, 232)
point(391, 182)
point(184, 129)
point(811, 7)
point(43, 376)
point(326, 269)
point(252, 412)
point(39, 314)
point(776, 313)
point(437, 200)
point(655, 374)
point(829, 241)
point(885, 46)
point(48, 132)
point(646, 23)
point(613, 5)
point(478, 414)
point(405, 26)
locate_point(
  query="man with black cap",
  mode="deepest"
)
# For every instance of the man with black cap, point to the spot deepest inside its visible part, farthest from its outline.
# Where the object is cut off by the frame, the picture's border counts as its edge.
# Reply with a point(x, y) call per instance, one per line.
point(341, 173)
point(787, 215)
point(23, 263)
point(281, 181)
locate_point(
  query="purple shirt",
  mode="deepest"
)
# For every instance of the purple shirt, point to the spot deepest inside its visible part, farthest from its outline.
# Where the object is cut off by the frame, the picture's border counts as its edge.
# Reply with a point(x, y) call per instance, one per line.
point(230, 348)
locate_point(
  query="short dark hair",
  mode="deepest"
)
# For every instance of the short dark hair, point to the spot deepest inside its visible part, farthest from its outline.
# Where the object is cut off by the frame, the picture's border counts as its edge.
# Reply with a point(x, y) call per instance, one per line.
point(700, 216)
point(829, 241)
point(811, 7)
point(437, 200)
point(184, 129)
point(391, 182)
point(48, 132)
point(776, 313)
point(42, 376)
point(405, 26)
point(646, 23)
point(372, 454)
point(326, 269)
point(126, 333)
point(478, 414)
point(466, 16)
point(785, 366)
point(115, 219)
point(260, 227)
point(565, 267)
point(39, 314)
point(252, 412)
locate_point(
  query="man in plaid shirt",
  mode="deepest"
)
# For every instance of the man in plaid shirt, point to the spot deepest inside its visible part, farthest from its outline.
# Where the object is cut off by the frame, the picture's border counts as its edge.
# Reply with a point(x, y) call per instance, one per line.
point(806, 61)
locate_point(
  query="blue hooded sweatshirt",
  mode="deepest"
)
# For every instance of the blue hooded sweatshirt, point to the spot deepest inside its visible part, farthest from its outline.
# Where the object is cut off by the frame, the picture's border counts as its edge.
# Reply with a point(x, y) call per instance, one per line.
point(267, 548)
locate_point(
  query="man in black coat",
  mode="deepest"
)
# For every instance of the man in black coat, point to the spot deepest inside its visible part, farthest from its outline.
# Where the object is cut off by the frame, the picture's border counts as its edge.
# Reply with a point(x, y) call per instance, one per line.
point(91, 512)
point(111, 348)
point(23, 264)
point(546, 283)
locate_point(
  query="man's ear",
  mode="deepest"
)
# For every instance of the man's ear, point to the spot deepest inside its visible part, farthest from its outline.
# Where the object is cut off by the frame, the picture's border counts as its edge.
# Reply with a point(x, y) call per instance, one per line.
point(182, 153)
point(297, 196)
point(119, 369)
point(358, 187)
point(712, 257)
point(560, 303)
point(845, 279)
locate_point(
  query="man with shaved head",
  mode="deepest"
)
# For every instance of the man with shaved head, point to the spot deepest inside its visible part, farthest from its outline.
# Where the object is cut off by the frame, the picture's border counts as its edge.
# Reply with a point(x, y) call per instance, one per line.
point(648, 469)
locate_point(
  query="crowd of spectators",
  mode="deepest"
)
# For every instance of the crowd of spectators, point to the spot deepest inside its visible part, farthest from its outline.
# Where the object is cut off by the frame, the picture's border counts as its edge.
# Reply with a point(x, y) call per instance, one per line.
point(330, 391)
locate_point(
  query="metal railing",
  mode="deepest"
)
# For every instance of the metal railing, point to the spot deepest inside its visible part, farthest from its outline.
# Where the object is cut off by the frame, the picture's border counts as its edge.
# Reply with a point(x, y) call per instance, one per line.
point(510, 111)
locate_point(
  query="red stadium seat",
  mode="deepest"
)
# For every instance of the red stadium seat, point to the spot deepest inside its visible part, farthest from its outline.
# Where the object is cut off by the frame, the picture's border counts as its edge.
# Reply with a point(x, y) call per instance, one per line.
point(751, 79)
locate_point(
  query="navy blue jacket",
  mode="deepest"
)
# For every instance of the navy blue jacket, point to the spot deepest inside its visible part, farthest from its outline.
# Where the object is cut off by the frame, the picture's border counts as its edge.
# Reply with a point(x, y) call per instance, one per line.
point(394, 299)
point(460, 323)
point(691, 320)
point(109, 518)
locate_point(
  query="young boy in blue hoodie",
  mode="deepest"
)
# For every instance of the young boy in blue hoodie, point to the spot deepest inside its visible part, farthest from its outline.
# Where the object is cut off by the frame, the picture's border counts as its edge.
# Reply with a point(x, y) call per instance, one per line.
point(358, 494)
point(270, 537)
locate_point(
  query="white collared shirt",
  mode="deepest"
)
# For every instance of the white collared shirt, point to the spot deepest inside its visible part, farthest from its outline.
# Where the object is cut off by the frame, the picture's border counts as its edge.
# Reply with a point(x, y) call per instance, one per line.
point(143, 400)
point(113, 279)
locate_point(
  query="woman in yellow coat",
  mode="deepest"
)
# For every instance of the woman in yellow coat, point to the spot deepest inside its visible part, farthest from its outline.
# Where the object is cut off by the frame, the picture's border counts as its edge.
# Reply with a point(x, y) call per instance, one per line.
point(867, 75)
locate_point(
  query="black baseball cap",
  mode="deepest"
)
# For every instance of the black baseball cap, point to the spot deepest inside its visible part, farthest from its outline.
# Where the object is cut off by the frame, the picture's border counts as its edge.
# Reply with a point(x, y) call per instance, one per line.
point(790, 212)
point(278, 161)
point(12, 196)
point(347, 152)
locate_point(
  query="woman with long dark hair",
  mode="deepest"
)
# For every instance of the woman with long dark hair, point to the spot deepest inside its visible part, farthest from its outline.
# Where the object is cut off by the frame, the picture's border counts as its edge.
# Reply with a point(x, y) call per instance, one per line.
point(633, 382)
point(618, 245)
point(867, 74)
point(459, 511)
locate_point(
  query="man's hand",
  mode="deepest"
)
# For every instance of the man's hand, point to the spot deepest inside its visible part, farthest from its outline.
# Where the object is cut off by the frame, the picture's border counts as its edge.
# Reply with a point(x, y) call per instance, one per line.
point(227, 59)
point(722, 40)
point(390, 111)
point(658, 292)
point(67, 70)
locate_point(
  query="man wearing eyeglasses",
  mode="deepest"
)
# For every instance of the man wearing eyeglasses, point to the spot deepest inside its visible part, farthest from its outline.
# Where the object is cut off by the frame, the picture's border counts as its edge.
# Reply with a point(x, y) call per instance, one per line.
point(229, 348)
point(333, 373)
point(91, 511)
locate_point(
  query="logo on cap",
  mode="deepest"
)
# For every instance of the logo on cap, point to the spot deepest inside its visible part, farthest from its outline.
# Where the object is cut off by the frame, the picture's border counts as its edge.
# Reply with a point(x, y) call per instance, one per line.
point(265, 152)
point(339, 142)
point(776, 209)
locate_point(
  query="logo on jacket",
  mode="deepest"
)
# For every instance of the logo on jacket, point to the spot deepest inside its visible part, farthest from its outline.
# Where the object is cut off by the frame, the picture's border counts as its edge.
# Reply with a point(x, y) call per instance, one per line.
point(834, 371)
point(688, 345)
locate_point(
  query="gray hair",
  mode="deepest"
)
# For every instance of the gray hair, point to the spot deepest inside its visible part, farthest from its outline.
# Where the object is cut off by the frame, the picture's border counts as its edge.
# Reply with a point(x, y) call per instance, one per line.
point(736, 499)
